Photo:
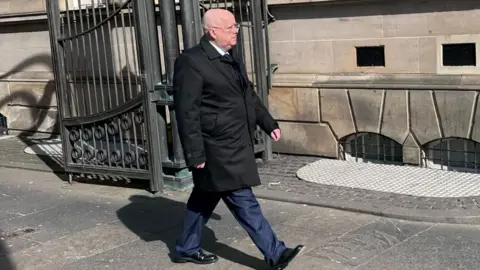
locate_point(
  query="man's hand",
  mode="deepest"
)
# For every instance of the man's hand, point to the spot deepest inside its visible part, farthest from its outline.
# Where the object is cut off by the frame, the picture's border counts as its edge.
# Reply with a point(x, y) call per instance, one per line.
point(275, 135)
point(201, 166)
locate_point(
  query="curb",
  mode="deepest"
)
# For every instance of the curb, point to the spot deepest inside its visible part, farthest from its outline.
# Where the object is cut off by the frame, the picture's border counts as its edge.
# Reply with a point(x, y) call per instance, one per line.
point(453, 216)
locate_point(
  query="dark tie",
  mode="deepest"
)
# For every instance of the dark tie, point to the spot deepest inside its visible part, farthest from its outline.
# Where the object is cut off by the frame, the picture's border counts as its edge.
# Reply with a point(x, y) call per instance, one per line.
point(233, 67)
point(228, 58)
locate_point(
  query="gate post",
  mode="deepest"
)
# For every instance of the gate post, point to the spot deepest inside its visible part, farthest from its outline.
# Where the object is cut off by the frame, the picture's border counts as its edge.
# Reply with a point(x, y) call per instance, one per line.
point(58, 65)
point(171, 47)
point(260, 65)
point(147, 49)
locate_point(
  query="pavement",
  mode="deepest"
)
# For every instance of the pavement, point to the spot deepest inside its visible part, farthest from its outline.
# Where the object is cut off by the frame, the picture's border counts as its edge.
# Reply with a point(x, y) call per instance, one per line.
point(288, 178)
point(46, 223)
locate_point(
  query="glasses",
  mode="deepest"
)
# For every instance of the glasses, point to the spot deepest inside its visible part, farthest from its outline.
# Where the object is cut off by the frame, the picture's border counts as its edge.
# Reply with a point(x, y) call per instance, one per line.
point(236, 26)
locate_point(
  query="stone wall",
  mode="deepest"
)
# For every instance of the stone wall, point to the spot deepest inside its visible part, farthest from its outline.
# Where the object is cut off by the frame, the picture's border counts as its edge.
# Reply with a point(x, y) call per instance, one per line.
point(321, 95)
point(27, 91)
point(321, 38)
point(318, 119)
point(21, 7)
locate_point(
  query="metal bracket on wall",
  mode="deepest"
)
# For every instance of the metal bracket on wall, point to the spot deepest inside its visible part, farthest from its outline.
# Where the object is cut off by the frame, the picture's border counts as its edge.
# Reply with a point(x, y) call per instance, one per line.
point(162, 94)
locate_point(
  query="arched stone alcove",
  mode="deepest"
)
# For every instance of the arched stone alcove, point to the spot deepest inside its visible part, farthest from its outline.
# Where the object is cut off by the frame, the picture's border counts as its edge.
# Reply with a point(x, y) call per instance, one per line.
point(452, 154)
point(371, 147)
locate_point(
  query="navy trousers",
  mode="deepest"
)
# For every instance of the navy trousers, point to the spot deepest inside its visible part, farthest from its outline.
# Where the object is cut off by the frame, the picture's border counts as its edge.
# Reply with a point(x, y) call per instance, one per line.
point(245, 208)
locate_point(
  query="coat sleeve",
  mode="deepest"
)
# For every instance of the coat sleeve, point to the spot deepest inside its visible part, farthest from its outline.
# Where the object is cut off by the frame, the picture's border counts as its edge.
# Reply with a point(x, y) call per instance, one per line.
point(188, 86)
point(264, 119)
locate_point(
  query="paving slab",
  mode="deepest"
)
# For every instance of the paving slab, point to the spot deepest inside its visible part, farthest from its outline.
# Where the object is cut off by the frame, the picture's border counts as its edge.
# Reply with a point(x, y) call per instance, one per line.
point(107, 227)
point(441, 247)
point(366, 242)
point(61, 220)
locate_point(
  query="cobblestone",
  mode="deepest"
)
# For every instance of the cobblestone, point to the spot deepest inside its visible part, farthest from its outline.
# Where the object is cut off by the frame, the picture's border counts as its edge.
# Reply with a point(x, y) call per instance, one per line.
point(287, 181)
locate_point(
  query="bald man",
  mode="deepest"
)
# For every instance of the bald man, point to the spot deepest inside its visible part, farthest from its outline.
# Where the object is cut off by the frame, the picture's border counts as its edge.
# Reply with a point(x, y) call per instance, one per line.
point(217, 111)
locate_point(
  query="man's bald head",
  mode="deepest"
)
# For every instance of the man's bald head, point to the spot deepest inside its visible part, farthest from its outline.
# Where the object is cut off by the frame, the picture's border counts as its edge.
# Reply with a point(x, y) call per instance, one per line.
point(216, 18)
point(220, 26)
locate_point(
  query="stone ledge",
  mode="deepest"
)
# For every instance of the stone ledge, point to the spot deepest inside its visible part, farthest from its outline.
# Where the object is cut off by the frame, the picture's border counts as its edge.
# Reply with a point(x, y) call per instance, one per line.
point(28, 76)
point(22, 17)
point(379, 81)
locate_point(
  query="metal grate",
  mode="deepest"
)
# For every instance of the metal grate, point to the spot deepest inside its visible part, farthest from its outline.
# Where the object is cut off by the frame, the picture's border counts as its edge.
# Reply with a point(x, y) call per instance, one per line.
point(463, 54)
point(371, 56)
point(371, 147)
point(452, 154)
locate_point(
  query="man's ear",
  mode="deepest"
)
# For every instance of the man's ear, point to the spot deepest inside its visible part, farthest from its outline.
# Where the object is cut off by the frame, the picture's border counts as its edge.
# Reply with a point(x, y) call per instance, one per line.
point(211, 33)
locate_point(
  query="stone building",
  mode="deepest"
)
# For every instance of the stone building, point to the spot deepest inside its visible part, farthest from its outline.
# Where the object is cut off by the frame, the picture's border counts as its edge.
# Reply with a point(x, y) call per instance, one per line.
point(390, 81)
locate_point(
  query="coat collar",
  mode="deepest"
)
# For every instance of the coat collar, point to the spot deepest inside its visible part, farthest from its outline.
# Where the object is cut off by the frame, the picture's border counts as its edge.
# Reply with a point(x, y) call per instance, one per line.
point(211, 51)
point(217, 61)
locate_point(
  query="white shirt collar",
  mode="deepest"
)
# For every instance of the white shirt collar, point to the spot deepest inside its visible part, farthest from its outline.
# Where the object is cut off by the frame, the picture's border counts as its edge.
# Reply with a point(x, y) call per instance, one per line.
point(220, 50)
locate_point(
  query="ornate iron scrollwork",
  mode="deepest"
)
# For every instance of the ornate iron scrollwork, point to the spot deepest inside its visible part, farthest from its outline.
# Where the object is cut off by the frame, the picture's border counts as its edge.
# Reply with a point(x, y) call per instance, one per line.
point(129, 158)
point(102, 155)
point(142, 159)
point(99, 133)
point(112, 128)
point(88, 154)
point(126, 122)
point(87, 134)
point(138, 117)
point(116, 156)
point(76, 153)
point(74, 135)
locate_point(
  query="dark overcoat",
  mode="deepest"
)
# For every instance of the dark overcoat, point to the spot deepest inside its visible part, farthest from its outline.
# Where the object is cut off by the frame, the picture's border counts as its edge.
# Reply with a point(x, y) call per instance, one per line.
point(217, 112)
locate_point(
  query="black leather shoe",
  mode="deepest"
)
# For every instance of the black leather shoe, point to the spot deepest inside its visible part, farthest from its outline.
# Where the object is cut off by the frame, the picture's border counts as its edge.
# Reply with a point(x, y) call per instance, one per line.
point(197, 258)
point(287, 256)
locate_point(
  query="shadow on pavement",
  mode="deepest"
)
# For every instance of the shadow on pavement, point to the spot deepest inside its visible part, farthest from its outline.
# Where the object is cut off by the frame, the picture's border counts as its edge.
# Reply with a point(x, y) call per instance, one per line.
point(160, 219)
point(5, 261)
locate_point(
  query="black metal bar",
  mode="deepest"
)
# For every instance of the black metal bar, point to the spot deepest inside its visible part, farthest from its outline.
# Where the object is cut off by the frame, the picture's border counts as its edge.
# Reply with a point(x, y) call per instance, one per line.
point(189, 30)
point(169, 36)
point(267, 45)
point(114, 64)
point(127, 62)
point(147, 48)
point(134, 95)
point(97, 49)
point(250, 42)
point(260, 68)
point(172, 50)
point(74, 106)
point(58, 67)
point(91, 57)
point(107, 71)
point(119, 59)
point(140, 131)
point(239, 50)
point(198, 19)
point(96, 25)
point(114, 67)
point(84, 66)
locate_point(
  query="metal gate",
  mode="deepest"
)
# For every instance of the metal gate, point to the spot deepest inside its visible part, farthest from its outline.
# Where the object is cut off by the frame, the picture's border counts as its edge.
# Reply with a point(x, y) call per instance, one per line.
point(113, 66)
